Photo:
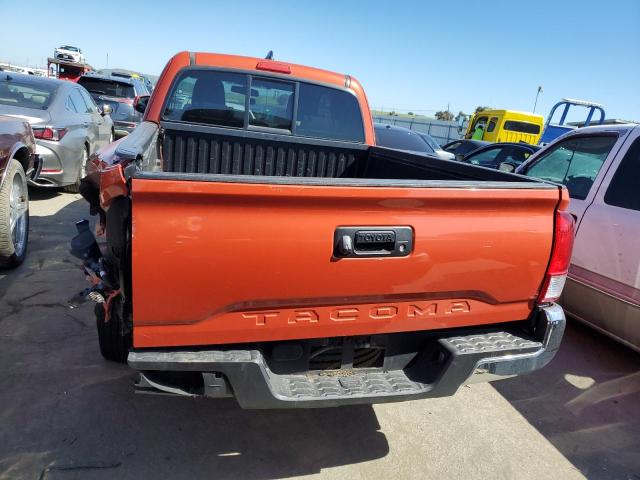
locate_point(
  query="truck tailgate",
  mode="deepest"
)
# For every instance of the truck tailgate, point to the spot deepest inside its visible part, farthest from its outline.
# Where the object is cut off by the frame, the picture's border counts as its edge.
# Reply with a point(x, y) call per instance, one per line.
point(219, 262)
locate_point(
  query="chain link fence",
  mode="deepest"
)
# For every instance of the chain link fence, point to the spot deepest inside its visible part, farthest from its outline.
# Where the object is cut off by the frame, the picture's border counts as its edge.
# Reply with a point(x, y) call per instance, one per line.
point(442, 131)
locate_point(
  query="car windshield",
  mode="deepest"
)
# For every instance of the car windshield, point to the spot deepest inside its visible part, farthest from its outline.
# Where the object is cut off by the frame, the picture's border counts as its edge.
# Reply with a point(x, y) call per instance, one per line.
point(401, 139)
point(27, 96)
point(71, 49)
point(111, 88)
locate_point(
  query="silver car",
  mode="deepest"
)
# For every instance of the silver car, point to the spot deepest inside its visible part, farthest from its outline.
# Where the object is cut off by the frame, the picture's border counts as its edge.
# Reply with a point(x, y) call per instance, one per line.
point(67, 124)
point(600, 167)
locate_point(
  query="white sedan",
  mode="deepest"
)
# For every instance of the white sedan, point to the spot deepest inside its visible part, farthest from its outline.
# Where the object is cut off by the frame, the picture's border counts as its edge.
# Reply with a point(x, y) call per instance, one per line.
point(69, 53)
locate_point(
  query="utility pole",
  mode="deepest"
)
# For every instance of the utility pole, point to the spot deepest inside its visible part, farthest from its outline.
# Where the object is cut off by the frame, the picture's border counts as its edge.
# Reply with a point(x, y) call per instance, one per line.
point(535, 104)
point(107, 60)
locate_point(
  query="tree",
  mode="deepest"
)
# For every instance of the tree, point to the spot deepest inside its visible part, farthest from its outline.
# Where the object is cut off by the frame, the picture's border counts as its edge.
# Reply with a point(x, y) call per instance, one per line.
point(411, 113)
point(460, 115)
point(445, 115)
point(481, 109)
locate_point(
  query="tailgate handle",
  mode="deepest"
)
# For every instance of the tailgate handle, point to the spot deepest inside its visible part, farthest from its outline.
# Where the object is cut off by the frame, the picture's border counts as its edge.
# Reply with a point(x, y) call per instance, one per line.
point(364, 242)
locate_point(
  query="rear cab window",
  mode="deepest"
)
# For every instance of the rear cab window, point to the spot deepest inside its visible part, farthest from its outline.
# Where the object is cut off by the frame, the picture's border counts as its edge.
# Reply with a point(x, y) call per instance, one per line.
point(248, 101)
point(574, 162)
point(271, 104)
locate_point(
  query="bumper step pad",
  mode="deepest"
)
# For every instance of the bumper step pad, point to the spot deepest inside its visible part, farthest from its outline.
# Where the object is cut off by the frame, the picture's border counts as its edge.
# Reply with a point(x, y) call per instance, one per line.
point(325, 385)
point(491, 343)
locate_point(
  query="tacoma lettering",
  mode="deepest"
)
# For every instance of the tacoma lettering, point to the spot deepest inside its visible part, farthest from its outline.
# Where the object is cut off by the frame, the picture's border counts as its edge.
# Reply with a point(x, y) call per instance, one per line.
point(399, 312)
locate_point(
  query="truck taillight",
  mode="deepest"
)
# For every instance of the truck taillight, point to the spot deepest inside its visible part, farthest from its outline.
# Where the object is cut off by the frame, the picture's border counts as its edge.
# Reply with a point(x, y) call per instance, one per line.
point(560, 259)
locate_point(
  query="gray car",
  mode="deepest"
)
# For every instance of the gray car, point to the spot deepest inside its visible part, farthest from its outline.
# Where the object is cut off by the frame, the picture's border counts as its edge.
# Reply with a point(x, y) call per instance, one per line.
point(119, 91)
point(67, 124)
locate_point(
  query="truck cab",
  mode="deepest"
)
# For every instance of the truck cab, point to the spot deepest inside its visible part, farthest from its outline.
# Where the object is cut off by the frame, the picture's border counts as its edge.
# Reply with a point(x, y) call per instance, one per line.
point(499, 126)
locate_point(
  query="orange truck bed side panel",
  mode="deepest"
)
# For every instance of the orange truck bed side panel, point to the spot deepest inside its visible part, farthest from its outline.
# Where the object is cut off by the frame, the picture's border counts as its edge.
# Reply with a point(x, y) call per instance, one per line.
point(218, 263)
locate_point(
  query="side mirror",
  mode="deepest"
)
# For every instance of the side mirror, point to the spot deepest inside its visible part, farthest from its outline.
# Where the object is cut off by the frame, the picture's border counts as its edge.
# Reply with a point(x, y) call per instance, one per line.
point(140, 103)
point(507, 167)
point(106, 110)
point(459, 157)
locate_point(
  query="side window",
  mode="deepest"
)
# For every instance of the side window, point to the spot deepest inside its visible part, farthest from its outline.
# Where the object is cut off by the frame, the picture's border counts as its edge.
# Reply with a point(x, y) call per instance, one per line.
point(78, 101)
point(574, 163)
point(271, 104)
point(522, 127)
point(516, 156)
point(70, 106)
point(623, 190)
point(453, 147)
point(486, 158)
point(93, 108)
point(492, 124)
point(480, 122)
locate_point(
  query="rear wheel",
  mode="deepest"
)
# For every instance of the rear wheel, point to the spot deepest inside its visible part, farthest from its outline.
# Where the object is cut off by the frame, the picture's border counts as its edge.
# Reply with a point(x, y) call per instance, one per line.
point(114, 337)
point(75, 186)
point(14, 216)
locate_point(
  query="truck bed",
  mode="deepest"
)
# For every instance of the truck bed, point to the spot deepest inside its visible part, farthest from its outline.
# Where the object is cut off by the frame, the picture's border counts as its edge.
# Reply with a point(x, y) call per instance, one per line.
point(207, 150)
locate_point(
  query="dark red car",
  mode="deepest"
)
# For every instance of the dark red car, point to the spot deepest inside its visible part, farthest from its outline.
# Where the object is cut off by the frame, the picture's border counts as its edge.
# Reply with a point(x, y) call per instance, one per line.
point(17, 160)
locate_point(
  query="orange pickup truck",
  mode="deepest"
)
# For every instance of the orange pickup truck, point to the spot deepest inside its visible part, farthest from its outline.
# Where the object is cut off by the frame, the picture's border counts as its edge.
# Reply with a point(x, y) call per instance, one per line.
point(259, 245)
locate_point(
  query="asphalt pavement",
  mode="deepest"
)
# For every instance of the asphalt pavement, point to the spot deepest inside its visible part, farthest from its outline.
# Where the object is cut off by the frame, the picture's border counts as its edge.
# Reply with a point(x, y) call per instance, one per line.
point(65, 413)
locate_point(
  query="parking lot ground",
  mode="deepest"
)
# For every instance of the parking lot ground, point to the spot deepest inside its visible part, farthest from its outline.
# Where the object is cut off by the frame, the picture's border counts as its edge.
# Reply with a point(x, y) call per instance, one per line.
point(65, 413)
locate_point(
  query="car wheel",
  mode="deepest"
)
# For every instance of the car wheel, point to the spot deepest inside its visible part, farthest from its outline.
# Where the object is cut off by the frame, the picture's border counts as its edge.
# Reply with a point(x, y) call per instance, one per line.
point(75, 187)
point(113, 337)
point(14, 216)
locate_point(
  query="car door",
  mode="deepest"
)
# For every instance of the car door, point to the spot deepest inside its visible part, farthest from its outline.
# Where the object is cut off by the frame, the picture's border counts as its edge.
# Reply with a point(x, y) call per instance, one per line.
point(102, 126)
point(604, 286)
point(579, 162)
point(86, 121)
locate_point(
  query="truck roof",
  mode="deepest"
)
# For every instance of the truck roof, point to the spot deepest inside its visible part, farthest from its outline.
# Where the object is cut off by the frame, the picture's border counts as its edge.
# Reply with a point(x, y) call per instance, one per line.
point(502, 111)
point(618, 128)
point(251, 63)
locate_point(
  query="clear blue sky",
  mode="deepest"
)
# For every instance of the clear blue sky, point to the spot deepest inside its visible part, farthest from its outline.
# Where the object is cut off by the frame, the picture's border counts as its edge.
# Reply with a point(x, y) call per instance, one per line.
point(408, 55)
